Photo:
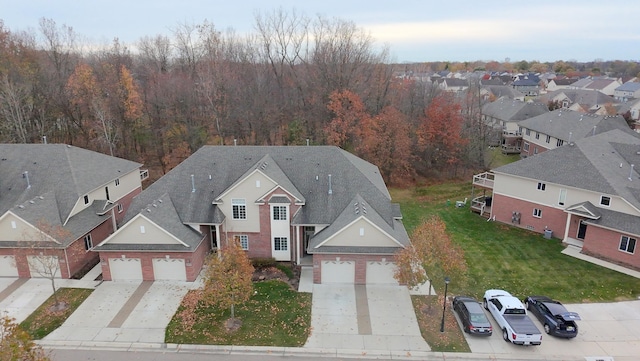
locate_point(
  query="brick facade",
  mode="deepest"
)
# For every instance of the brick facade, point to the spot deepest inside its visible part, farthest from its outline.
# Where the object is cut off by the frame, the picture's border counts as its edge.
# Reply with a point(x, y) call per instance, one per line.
point(553, 219)
point(360, 264)
point(126, 202)
point(193, 260)
point(603, 243)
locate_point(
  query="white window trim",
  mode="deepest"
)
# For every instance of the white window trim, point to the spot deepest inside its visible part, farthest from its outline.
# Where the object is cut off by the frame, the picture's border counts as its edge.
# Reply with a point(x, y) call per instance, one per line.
point(120, 208)
point(88, 242)
point(239, 202)
point(635, 244)
point(243, 238)
point(542, 186)
point(537, 213)
point(605, 205)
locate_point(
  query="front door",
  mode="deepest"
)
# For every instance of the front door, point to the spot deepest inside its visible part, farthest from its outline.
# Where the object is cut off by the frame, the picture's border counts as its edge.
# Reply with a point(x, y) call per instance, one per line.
point(582, 230)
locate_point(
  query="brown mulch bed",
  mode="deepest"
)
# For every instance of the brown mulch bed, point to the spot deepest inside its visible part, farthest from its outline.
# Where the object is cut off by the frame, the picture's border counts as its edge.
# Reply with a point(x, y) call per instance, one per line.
point(272, 273)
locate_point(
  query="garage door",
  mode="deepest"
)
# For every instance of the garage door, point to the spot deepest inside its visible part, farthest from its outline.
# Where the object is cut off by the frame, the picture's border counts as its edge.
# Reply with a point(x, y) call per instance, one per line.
point(43, 266)
point(338, 271)
point(171, 269)
point(381, 273)
point(125, 269)
point(8, 266)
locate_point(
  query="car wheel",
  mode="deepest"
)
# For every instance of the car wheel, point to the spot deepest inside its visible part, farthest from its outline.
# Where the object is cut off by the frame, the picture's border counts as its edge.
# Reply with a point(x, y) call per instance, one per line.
point(528, 305)
point(547, 329)
point(505, 335)
point(485, 304)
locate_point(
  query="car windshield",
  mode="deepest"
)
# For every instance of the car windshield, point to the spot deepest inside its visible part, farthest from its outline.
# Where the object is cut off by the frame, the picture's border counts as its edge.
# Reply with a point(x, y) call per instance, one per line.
point(478, 318)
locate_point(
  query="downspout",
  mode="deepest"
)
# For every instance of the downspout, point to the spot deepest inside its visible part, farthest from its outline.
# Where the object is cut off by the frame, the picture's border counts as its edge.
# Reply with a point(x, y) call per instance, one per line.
point(66, 257)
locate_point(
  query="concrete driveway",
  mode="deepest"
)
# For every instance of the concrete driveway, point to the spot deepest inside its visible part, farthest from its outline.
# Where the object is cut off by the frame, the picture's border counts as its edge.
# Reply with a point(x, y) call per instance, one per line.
point(606, 329)
point(372, 317)
point(124, 312)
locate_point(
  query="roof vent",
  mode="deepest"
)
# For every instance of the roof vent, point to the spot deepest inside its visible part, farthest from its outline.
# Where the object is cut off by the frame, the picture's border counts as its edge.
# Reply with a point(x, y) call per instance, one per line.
point(193, 184)
point(26, 176)
point(159, 200)
point(330, 189)
point(631, 173)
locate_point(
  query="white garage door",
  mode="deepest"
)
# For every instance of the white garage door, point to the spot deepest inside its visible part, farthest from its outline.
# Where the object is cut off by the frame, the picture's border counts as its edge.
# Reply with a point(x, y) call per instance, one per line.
point(171, 269)
point(8, 266)
point(125, 269)
point(338, 272)
point(381, 273)
point(43, 266)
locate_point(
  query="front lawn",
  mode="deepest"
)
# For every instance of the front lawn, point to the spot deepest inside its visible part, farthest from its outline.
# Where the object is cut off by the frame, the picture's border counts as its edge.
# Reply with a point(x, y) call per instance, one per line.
point(505, 257)
point(429, 314)
point(276, 315)
point(45, 318)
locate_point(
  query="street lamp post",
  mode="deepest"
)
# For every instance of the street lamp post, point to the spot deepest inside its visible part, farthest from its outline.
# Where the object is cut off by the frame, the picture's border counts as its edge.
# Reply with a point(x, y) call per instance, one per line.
point(444, 302)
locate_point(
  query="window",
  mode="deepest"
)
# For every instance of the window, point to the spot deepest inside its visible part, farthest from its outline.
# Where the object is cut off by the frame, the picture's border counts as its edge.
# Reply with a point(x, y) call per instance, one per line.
point(542, 186)
point(117, 182)
point(280, 213)
point(605, 201)
point(280, 244)
point(528, 132)
point(86, 199)
point(560, 143)
point(242, 240)
point(120, 208)
point(563, 197)
point(535, 150)
point(239, 208)
point(627, 244)
point(537, 135)
point(88, 242)
point(548, 139)
point(106, 192)
point(526, 146)
point(537, 213)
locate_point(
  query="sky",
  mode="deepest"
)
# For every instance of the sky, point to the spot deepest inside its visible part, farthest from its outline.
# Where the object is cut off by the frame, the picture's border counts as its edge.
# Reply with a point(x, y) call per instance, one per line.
point(414, 30)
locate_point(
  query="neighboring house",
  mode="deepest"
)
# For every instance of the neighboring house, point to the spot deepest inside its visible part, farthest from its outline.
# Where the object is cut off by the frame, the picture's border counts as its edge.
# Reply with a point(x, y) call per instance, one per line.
point(557, 84)
point(58, 201)
point(313, 205)
point(627, 91)
point(605, 86)
point(586, 194)
point(503, 115)
point(554, 129)
point(499, 91)
point(527, 86)
point(454, 85)
point(580, 100)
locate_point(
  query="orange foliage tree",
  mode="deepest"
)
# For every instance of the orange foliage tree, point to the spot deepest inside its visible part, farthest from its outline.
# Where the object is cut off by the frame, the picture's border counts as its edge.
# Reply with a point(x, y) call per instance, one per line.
point(15, 343)
point(349, 119)
point(440, 133)
point(227, 278)
point(386, 142)
point(439, 256)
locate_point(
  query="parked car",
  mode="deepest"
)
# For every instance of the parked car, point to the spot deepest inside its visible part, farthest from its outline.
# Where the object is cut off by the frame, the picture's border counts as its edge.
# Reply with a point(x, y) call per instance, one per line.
point(555, 318)
point(474, 321)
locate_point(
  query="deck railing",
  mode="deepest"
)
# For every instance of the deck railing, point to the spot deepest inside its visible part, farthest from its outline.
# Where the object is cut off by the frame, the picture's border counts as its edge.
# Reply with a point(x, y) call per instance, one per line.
point(485, 179)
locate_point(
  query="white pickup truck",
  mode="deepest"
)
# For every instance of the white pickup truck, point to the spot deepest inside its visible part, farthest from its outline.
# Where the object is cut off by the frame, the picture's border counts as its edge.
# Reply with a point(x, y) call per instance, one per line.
point(512, 318)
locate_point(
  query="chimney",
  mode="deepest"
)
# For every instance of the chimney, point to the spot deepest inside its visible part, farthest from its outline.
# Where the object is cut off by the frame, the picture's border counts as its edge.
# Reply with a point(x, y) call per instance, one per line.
point(193, 184)
point(330, 190)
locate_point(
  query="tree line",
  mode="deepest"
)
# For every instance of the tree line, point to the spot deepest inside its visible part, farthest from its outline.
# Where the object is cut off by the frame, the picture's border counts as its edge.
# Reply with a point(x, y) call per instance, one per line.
point(296, 79)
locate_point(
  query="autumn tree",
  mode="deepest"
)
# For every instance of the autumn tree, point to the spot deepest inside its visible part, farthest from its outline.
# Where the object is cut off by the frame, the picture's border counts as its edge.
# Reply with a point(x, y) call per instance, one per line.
point(409, 270)
point(438, 255)
point(227, 280)
point(16, 344)
point(349, 120)
point(439, 134)
point(386, 142)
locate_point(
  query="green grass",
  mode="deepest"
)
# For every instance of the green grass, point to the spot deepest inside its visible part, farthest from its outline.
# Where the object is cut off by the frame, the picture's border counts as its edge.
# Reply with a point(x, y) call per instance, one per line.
point(275, 316)
point(44, 320)
point(505, 257)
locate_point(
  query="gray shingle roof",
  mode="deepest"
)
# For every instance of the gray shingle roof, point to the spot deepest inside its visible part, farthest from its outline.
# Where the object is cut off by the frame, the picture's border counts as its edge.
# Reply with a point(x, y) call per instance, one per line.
point(592, 163)
point(629, 87)
point(622, 222)
point(584, 97)
point(60, 174)
point(560, 122)
point(513, 110)
point(306, 169)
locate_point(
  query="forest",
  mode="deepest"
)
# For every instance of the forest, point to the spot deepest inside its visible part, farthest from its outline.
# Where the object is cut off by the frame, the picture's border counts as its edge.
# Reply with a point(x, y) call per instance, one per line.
point(296, 80)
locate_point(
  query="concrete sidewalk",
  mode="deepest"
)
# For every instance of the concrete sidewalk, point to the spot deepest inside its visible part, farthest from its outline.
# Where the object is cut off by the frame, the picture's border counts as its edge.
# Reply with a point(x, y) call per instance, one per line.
point(574, 251)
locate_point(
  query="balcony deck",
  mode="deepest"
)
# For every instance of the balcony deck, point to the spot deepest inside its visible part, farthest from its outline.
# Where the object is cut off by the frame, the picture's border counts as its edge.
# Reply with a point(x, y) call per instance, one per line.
point(485, 180)
point(482, 206)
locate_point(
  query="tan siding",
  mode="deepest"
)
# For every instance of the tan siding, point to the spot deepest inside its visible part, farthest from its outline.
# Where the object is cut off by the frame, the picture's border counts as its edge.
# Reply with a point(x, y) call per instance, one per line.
point(131, 233)
point(23, 231)
point(248, 191)
point(372, 237)
point(128, 183)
